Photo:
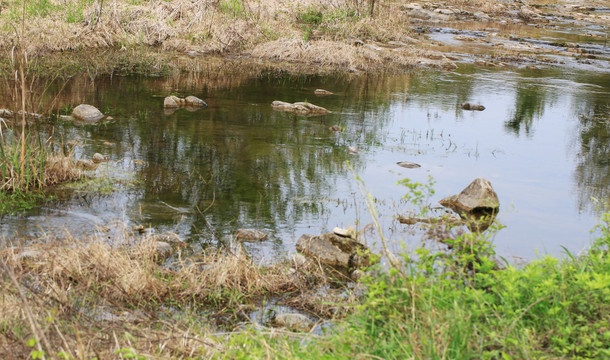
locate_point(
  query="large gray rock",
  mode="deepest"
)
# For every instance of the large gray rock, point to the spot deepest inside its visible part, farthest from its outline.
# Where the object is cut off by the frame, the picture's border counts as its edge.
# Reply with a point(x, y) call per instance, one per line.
point(87, 113)
point(334, 250)
point(294, 322)
point(479, 196)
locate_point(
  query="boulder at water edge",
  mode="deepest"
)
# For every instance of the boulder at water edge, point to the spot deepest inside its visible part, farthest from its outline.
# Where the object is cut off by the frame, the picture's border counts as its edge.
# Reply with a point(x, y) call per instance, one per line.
point(334, 250)
point(250, 235)
point(87, 113)
point(479, 196)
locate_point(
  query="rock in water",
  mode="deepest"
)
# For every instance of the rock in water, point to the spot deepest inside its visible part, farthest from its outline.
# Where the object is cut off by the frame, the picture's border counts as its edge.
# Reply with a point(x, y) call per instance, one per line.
point(322, 92)
point(98, 158)
point(408, 165)
point(87, 113)
point(334, 250)
point(250, 235)
point(478, 196)
point(299, 108)
point(195, 101)
point(473, 107)
point(170, 103)
point(353, 149)
point(294, 322)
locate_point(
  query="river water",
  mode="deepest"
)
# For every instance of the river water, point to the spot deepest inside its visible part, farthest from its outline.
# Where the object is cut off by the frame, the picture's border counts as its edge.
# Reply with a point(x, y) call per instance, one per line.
point(543, 142)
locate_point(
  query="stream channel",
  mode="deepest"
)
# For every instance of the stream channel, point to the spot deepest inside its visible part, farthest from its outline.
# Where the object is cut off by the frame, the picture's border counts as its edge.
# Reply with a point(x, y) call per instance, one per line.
point(542, 141)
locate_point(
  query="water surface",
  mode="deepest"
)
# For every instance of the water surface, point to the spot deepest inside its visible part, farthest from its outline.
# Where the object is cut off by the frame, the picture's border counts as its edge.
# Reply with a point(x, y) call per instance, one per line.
point(542, 141)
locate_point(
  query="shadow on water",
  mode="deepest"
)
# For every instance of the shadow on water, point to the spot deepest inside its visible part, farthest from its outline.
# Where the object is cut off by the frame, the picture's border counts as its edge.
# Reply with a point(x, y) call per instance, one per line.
point(240, 164)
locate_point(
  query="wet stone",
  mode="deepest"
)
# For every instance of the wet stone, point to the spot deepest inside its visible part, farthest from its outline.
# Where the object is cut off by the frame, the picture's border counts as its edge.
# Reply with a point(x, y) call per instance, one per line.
point(98, 158)
point(294, 322)
point(163, 250)
point(87, 113)
point(334, 250)
point(169, 103)
point(472, 107)
point(477, 196)
point(195, 101)
point(250, 235)
point(322, 92)
point(408, 165)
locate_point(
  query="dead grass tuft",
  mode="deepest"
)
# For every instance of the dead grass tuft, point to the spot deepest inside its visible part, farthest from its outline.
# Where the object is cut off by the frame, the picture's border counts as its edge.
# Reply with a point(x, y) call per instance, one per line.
point(60, 169)
point(96, 298)
point(333, 54)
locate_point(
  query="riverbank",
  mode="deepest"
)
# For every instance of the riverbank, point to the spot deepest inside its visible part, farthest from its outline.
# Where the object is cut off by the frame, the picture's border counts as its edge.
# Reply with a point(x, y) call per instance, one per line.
point(345, 36)
point(86, 299)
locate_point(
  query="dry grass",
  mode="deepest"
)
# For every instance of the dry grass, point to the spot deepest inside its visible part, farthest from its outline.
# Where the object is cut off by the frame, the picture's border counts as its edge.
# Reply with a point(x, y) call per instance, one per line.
point(270, 29)
point(93, 299)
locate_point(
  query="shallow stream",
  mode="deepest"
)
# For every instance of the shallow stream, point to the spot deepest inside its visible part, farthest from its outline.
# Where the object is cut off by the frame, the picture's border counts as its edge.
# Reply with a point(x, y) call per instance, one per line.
point(543, 141)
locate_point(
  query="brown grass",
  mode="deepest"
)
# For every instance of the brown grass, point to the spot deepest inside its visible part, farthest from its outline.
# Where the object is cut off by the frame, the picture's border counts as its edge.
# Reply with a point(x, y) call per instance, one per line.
point(222, 27)
point(92, 299)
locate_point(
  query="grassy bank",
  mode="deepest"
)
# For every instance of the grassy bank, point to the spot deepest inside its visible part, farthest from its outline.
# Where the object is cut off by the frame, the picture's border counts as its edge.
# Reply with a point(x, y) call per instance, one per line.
point(463, 307)
point(69, 299)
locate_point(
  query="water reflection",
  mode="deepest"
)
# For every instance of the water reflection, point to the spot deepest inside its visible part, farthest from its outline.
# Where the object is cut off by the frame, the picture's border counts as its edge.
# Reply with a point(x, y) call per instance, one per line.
point(239, 164)
point(593, 158)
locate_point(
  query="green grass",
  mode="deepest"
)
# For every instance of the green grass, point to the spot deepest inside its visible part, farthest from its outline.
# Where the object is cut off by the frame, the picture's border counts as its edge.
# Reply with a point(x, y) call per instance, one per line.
point(18, 201)
point(463, 306)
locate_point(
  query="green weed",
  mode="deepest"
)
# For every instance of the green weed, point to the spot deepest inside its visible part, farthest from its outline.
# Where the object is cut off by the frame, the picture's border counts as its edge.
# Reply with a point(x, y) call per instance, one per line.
point(234, 8)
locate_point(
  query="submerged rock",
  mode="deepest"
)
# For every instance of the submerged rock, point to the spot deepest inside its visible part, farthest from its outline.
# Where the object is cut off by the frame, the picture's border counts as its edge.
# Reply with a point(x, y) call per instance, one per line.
point(250, 235)
point(353, 149)
point(335, 128)
point(334, 250)
point(86, 164)
point(300, 108)
point(294, 322)
point(478, 196)
point(322, 92)
point(87, 113)
point(473, 107)
point(408, 165)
